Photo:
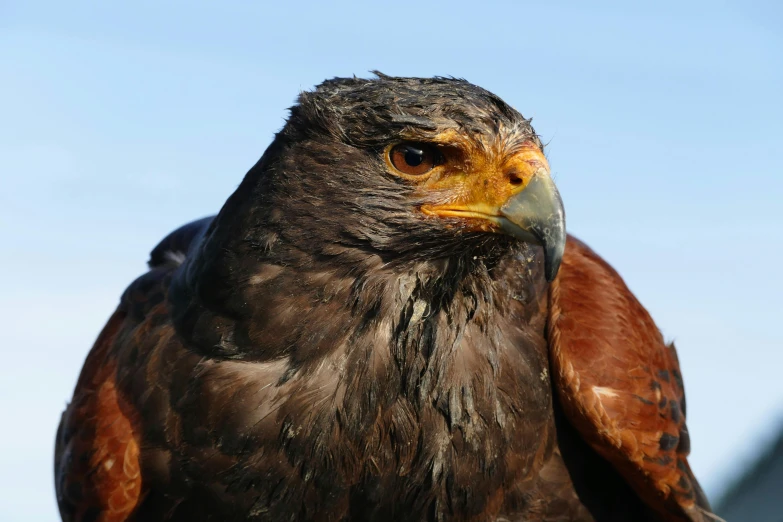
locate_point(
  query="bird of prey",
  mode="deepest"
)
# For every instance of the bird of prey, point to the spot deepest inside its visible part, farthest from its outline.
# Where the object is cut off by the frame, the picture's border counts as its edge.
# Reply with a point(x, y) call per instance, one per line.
point(386, 321)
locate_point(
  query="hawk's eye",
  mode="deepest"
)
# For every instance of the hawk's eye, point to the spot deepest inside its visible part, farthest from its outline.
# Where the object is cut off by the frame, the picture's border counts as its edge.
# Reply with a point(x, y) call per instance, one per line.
point(414, 158)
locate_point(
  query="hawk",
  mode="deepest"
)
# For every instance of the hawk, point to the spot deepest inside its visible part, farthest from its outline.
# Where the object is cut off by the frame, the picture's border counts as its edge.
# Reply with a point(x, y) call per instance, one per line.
point(386, 321)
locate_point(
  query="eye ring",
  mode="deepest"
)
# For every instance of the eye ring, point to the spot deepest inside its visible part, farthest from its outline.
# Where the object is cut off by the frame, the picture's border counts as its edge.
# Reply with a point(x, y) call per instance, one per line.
point(414, 158)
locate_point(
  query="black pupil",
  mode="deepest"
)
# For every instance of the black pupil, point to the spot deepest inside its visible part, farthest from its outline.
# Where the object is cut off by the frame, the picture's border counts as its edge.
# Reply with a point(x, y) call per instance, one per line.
point(413, 156)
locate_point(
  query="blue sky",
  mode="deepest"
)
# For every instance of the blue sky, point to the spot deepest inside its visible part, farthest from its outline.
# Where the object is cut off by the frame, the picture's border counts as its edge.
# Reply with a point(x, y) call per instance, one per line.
point(664, 124)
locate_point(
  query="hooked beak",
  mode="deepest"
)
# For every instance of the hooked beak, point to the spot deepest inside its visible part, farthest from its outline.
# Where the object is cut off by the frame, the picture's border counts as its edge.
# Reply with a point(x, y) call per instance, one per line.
point(516, 197)
point(537, 215)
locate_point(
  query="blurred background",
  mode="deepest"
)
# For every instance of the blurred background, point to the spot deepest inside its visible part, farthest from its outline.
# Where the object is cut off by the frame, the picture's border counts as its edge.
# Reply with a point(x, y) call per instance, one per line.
point(664, 127)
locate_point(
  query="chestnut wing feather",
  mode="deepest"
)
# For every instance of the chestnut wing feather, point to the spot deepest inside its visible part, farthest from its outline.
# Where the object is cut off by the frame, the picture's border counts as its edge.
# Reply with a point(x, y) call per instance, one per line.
point(620, 385)
point(97, 472)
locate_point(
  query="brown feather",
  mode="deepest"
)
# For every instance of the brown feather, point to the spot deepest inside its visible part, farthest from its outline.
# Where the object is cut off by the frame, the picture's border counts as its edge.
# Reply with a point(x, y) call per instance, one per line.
point(97, 474)
point(620, 384)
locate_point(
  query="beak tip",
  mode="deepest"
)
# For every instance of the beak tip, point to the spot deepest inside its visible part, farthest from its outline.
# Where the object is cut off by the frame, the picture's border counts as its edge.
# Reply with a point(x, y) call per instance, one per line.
point(554, 248)
point(551, 266)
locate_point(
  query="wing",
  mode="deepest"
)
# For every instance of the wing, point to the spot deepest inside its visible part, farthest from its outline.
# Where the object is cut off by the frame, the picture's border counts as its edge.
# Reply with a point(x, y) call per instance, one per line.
point(97, 474)
point(97, 453)
point(620, 385)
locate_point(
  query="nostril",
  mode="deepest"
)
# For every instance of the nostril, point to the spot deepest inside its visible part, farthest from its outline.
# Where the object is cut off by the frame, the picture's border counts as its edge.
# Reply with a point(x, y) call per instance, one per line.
point(514, 178)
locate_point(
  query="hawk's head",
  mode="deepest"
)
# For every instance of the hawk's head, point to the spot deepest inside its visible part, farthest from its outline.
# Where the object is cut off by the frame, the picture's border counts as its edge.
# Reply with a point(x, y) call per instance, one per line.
point(405, 168)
